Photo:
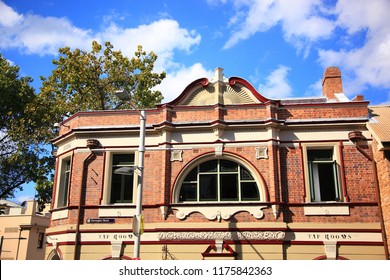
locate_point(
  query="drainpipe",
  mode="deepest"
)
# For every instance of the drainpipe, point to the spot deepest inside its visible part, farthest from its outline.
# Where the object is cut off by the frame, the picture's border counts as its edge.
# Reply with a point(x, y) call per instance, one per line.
point(91, 144)
point(356, 137)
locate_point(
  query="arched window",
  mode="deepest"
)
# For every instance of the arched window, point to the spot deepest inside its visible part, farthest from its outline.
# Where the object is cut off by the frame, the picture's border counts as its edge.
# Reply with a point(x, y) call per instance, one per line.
point(218, 180)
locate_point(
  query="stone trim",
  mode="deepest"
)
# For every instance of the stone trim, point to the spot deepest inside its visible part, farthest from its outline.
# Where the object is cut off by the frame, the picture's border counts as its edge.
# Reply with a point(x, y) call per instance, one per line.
point(218, 212)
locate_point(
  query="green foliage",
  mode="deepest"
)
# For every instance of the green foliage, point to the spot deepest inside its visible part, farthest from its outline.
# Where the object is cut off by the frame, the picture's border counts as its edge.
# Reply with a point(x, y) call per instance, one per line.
point(81, 81)
point(44, 189)
point(85, 81)
point(22, 132)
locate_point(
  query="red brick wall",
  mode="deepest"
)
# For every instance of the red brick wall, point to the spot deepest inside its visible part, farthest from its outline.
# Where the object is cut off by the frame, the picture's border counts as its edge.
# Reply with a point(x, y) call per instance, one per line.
point(383, 167)
point(331, 82)
point(323, 111)
point(282, 172)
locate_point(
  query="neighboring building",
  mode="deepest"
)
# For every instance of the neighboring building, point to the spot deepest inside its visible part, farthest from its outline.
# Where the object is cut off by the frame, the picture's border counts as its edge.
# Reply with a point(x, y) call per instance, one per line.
point(379, 126)
point(228, 174)
point(22, 231)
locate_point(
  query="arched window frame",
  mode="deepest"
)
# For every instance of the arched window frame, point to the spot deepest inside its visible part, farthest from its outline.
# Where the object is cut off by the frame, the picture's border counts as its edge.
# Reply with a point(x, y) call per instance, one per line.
point(260, 182)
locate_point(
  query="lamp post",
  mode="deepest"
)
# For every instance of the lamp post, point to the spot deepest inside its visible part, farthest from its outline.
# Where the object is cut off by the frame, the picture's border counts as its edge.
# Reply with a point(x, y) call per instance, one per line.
point(124, 96)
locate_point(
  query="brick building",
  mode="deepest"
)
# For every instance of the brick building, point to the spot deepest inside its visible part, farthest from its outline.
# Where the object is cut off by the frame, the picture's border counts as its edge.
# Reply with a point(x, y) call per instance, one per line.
point(379, 126)
point(228, 173)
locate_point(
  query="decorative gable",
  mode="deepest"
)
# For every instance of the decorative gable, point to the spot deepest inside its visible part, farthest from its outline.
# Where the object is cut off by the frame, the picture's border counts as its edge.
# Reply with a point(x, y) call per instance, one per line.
point(219, 90)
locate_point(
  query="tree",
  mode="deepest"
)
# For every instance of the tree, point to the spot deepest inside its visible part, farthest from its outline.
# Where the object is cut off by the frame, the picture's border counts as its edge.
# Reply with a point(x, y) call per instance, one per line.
point(85, 81)
point(21, 157)
point(81, 81)
point(88, 80)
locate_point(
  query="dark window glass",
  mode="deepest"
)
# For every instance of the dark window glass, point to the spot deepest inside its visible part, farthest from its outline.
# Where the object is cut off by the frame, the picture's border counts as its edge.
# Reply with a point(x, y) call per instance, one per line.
point(245, 175)
point(188, 192)
point(323, 175)
point(219, 180)
point(208, 187)
point(229, 187)
point(320, 155)
point(228, 166)
point(65, 185)
point(123, 160)
point(192, 176)
point(122, 185)
point(249, 191)
point(209, 166)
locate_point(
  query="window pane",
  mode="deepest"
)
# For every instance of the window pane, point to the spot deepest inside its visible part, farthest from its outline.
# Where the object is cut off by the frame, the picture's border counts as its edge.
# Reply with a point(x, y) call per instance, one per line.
point(64, 185)
point(320, 155)
point(245, 174)
point(192, 176)
point(229, 187)
point(67, 165)
point(188, 192)
point(228, 166)
point(327, 182)
point(219, 180)
point(249, 191)
point(128, 189)
point(121, 188)
point(116, 188)
point(208, 187)
point(65, 189)
point(122, 160)
point(209, 166)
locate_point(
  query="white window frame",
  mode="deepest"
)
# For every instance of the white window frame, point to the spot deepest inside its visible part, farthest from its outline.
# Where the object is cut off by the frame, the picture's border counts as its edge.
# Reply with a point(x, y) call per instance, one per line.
point(62, 192)
point(259, 182)
point(310, 174)
point(108, 178)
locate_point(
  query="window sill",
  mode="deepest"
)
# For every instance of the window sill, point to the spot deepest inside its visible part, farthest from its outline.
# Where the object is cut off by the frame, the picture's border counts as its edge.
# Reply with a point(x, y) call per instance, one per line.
point(322, 209)
point(218, 211)
point(60, 214)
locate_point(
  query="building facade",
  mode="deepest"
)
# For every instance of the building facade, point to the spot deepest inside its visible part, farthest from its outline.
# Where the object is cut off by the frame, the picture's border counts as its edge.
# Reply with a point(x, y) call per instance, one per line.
point(22, 231)
point(379, 126)
point(228, 173)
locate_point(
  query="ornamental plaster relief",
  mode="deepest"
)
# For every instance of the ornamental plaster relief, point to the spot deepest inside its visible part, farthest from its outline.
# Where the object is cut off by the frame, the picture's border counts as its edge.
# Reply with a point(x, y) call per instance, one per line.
point(219, 212)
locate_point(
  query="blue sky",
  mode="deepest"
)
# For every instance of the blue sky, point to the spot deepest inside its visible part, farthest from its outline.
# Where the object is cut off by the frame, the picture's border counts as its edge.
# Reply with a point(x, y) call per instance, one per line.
point(281, 47)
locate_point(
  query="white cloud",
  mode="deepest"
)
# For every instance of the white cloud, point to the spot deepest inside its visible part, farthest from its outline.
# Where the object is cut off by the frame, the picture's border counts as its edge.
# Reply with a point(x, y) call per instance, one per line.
point(302, 21)
point(177, 80)
point(315, 89)
point(163, 37)
point(368, 64)
point(364, 62)
point(34, 34)
point(276, 84)
point(8, 17)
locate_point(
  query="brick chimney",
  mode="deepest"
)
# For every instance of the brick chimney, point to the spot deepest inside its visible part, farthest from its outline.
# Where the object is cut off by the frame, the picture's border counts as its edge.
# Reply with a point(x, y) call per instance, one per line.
point(331, 83)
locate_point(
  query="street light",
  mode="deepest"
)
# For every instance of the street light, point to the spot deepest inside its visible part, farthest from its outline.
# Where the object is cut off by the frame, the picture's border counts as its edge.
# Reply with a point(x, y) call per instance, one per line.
point(125, 96)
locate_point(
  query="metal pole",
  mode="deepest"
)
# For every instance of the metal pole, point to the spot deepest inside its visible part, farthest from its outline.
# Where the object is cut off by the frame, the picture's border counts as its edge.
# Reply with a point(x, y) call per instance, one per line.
point(138, 215)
